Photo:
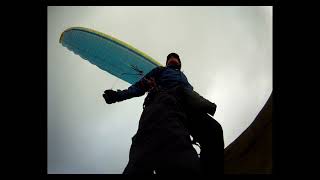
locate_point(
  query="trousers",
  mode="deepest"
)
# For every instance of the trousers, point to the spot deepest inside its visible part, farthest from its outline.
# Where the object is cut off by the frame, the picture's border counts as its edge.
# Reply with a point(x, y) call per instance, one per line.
point(162, 144)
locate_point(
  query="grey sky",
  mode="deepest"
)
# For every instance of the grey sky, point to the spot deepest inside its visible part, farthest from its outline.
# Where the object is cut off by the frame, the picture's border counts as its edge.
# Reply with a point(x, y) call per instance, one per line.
point(226, 53)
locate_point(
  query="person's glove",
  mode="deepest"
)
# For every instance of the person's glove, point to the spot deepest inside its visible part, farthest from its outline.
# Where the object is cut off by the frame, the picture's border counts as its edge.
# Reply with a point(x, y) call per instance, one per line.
point(212, 109)
point(110, 96)
point(195, 101)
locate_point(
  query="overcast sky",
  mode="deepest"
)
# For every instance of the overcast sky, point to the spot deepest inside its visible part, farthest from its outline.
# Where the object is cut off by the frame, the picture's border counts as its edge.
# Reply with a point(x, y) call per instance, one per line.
point(226, 54)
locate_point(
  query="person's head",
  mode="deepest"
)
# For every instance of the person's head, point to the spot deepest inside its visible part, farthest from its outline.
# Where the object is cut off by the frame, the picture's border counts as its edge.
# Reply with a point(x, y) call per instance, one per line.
point(174, 60)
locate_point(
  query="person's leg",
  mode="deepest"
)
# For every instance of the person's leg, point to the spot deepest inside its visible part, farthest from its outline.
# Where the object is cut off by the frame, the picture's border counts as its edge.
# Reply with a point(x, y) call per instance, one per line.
point(179, 158)
point(140, 161)
point(162, 142)
point(210, 135)
point(204, 129)
point(135, 169)
point(148, 139)
point(164, 150)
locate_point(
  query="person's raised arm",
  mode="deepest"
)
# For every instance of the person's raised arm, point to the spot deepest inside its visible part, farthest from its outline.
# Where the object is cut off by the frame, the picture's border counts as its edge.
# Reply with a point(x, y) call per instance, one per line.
point(135, 90)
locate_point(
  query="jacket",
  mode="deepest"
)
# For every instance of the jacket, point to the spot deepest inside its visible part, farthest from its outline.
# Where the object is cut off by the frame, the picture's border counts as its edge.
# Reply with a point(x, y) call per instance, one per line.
point(165, 78)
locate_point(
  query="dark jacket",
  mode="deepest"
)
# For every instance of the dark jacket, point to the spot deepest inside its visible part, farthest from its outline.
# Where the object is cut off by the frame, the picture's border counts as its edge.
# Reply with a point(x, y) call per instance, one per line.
point(165, 78)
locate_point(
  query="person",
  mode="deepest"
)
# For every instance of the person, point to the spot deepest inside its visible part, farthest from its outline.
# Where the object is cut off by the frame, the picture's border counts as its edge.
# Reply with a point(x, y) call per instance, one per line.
point(162, 143)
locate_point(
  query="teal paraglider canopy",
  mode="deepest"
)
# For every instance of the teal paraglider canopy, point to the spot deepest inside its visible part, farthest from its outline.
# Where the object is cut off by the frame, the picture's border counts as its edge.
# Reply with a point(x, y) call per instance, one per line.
point(108, 53)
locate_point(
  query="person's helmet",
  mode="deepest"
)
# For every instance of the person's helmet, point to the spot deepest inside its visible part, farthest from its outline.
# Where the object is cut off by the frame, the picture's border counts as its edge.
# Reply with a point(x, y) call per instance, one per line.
point(175, 56)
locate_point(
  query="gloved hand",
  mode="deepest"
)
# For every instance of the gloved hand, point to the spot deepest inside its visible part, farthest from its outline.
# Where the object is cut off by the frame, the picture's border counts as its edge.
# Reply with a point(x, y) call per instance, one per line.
point(195, 101)
point(212, 109)
point(110, 96)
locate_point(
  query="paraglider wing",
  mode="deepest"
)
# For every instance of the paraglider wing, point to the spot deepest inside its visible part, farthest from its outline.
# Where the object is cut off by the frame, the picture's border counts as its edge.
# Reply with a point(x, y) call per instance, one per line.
point(108, 53)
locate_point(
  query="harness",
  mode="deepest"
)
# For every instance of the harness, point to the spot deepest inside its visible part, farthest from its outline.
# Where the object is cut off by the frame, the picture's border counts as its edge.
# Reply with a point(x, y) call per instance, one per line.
point(176, 92)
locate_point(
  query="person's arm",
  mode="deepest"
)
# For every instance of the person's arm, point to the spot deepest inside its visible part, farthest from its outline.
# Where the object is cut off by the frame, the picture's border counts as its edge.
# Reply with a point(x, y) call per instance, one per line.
point(187, 84)
point(135, 90)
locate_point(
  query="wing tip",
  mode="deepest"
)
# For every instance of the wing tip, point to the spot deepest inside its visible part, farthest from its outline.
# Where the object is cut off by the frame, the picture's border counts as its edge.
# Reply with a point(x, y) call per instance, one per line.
point(61, 37)
point(62, 34)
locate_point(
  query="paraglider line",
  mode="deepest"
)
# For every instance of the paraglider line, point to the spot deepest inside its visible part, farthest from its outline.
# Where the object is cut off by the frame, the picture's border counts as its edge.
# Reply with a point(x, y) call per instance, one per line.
point(135, 68)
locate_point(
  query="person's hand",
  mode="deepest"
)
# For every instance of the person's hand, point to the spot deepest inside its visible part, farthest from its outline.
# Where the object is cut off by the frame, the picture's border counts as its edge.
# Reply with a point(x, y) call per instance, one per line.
point(151, 83)
point(110, 96)
point(212, 109)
